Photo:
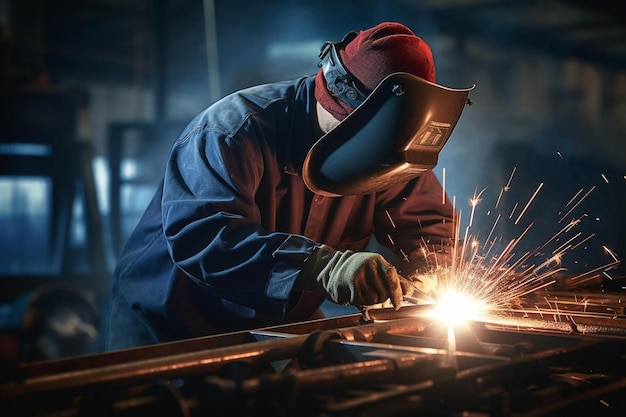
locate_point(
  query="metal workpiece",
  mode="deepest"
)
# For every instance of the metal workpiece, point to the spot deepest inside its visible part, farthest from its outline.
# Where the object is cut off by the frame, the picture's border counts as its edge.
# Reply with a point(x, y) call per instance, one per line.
point(196, 362)
point(535, 360)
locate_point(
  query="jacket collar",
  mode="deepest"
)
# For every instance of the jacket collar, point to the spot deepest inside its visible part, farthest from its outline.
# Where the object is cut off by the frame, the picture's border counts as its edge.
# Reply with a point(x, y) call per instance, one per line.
point(304, 130)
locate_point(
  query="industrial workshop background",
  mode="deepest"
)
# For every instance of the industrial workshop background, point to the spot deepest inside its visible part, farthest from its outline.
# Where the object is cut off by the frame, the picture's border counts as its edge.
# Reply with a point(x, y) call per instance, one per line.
point(94, 92)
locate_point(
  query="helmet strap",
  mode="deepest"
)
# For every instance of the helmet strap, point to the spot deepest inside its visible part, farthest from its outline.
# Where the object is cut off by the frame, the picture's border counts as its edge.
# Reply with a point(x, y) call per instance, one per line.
point(339, 81)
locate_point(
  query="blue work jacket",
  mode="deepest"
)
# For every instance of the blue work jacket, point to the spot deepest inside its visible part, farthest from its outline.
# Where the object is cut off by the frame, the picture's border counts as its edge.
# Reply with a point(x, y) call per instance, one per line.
point(222, 242)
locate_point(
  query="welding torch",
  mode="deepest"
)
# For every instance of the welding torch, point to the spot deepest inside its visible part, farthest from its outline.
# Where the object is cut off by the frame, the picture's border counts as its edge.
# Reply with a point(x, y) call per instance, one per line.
point(415, 298)
point(417, 295)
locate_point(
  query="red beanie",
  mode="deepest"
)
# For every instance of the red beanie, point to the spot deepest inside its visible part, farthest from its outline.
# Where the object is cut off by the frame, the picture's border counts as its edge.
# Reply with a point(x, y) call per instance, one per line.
point(374, 54)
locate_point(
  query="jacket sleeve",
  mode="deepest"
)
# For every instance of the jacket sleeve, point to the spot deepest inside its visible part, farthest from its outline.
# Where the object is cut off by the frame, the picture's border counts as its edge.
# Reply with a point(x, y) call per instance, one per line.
point(417, 222)
point(212, 223)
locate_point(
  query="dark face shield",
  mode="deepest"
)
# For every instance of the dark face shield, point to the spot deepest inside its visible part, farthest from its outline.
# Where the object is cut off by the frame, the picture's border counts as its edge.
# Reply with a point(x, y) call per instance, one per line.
point(394, 136)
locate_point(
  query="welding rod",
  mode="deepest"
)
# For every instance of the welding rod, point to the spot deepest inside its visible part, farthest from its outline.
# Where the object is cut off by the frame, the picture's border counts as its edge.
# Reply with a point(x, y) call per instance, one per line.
point(418, 296)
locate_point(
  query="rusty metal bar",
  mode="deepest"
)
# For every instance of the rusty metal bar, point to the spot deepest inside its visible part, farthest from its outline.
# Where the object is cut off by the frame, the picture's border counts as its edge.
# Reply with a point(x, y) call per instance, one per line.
point(191, 363)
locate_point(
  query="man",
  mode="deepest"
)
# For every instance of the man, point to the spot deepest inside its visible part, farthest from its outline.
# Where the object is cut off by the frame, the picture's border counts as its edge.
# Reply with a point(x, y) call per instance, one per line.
point(257, 222)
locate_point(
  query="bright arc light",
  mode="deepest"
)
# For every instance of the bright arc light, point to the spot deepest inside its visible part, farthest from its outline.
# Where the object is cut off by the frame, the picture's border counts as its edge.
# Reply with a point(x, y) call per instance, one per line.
point(456, 308)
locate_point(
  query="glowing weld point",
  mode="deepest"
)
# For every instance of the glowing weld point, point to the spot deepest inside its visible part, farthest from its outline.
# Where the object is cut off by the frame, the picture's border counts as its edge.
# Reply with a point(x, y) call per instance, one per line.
point(455, 308)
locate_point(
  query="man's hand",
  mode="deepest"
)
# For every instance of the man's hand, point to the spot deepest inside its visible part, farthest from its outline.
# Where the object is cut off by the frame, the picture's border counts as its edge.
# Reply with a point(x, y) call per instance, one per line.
point(357, 278)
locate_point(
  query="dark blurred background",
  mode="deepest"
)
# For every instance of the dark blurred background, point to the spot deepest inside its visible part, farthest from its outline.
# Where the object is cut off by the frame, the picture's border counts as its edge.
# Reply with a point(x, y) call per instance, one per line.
point(94, 92)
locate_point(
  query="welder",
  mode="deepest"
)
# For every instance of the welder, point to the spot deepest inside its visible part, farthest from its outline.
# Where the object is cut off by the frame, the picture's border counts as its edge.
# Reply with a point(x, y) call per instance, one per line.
point(271, 195)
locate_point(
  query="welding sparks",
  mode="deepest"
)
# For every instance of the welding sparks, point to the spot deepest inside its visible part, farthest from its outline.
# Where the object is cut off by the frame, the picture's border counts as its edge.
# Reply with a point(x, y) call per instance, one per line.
point(529, 203)
point(473, 202)
point(488, 276)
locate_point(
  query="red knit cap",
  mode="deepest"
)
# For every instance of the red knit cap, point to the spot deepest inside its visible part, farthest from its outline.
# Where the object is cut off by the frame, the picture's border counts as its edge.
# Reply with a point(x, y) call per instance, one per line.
point(375, 53)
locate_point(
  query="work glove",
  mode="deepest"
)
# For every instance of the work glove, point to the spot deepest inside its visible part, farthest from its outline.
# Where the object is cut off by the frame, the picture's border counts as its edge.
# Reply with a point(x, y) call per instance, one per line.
point(356, 278)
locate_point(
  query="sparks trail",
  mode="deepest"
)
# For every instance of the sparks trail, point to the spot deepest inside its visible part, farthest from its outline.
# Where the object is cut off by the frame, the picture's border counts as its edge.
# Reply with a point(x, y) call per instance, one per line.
point(473, 202)
point(496, 273)
point(578, 203)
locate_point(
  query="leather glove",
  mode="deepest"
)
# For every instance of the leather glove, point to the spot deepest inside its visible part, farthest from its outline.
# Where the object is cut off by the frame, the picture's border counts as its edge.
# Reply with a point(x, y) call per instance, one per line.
point(357, 278)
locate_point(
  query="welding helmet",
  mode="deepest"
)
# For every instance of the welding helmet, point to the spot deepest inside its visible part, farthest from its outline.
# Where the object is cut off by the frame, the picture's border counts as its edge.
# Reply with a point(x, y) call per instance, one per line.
point(391, 131)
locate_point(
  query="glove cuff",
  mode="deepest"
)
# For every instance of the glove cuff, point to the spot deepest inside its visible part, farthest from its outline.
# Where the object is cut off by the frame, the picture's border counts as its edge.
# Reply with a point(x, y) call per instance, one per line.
point(309, 277)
